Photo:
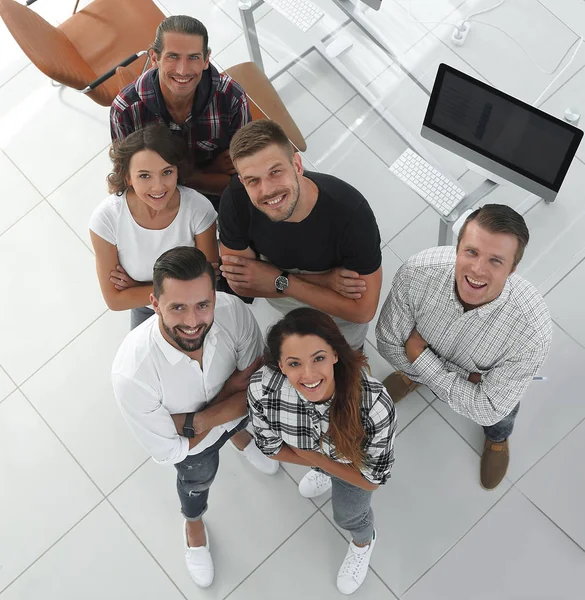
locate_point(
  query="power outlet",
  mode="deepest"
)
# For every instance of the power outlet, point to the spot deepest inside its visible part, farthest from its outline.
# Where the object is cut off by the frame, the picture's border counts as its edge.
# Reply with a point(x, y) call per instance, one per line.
point(459, 34)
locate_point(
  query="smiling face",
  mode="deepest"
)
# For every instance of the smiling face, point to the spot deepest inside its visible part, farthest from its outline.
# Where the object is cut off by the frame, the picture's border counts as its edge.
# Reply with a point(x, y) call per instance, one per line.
point(307, 361)
point(180, 65)
point(484, 262)
point(186, 311)
point(153, 180)
point(272, 181)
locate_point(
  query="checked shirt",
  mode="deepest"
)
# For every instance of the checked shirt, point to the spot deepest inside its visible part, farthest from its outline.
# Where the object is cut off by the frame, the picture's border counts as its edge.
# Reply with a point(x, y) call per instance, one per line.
point(506, 340)
point(280, 414)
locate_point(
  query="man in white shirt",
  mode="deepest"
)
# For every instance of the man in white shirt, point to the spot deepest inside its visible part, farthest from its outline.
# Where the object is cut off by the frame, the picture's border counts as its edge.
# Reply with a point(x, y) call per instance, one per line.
point(180, 380)
point(459, 321)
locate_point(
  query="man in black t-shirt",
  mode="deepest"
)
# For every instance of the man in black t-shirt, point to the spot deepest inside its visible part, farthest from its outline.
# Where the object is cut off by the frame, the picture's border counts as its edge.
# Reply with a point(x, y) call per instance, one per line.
point(298, 238)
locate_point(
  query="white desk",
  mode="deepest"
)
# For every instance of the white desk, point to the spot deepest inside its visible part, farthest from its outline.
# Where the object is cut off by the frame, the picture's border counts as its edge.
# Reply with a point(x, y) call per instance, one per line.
point(338, 13)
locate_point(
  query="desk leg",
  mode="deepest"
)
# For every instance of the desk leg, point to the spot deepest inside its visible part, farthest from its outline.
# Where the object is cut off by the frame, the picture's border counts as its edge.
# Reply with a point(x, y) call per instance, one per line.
point(445, 233)
point(249, 27)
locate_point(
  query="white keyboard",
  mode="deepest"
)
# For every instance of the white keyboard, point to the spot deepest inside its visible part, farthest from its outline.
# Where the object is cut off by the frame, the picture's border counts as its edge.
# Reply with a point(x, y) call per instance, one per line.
point(302, 13)
point(441, 193)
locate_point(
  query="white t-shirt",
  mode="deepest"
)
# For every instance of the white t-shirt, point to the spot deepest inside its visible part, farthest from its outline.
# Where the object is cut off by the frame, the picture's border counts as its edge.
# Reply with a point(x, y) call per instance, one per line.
point(138, 248)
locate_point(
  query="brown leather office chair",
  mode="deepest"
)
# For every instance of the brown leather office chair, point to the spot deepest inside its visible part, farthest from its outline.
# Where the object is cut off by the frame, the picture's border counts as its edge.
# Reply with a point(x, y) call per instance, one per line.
point(265, 103)
point(84, 51)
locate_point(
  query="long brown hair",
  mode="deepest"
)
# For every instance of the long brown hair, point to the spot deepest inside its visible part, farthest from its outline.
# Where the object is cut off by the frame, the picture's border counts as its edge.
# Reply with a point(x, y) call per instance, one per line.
point(345, 424)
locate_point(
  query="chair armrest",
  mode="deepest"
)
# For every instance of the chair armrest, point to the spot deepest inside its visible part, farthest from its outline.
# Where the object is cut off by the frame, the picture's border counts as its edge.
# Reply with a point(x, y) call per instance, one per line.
point(112, 71)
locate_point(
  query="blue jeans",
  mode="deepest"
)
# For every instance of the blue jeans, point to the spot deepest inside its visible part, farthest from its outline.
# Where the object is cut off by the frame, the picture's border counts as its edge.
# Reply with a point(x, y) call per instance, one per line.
point(352, 510)
point(196, 473)
point(502, 430)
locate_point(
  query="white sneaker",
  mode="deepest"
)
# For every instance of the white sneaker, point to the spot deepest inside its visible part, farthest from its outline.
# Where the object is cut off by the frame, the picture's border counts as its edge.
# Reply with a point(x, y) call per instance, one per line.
point(259, 461)
point(314, 484)
point(354, 568)
point(199, 561)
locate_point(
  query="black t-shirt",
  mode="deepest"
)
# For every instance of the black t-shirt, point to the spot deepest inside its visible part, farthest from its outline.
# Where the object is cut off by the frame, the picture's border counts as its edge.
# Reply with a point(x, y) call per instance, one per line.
point(340, 231)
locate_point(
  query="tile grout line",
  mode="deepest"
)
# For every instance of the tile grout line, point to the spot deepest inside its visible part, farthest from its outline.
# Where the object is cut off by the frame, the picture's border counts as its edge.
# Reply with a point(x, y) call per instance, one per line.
point(272, 553)
point(414, 419)
point(134, 471)
point(564, 277)
point(540, 510)
point(461, 538)
point(68, 225)
point(568, 334)
point(31, 184)
point(426, 208)
point(382, 581)
point(61, 349)
point(45, 197)
point(63, 444)
point(358, 137)
point(549, 451)
point(17, 73)
point(145, 547)
point(52, 545)
point(454, 429)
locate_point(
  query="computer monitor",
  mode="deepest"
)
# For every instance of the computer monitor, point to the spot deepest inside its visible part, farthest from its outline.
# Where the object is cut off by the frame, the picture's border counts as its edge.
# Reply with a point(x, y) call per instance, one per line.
point(500, 133)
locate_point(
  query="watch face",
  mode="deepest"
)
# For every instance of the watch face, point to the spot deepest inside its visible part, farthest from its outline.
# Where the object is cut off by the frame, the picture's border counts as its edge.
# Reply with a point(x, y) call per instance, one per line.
point(281, 282)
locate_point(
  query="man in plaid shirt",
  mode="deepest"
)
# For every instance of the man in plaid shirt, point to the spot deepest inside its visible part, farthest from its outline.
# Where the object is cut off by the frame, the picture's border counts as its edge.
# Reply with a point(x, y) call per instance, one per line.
point(459, 321)
point(191, 97)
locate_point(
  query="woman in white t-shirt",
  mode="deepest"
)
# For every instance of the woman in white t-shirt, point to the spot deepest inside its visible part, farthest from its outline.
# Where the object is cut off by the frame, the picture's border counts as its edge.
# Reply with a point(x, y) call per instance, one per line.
point(146, 215)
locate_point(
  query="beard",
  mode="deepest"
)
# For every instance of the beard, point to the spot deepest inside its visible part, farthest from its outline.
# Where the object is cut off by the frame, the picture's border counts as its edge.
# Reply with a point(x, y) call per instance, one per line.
point(294, 195)
point(186, 344)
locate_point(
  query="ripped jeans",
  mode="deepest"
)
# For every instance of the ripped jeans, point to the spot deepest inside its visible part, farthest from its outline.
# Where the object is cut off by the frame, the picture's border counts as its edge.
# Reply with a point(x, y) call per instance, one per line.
point(196, 473)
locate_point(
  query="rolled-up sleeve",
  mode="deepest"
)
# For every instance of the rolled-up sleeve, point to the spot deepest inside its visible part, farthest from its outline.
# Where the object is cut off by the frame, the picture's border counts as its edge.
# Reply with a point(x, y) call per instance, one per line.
point(495, 396)
point(268, 441)
point(380, 428)
point(149, 420)
point(396, 323)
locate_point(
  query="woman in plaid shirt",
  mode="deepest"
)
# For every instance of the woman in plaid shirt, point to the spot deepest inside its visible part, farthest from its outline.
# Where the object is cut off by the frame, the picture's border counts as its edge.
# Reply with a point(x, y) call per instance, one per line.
point(315, 404)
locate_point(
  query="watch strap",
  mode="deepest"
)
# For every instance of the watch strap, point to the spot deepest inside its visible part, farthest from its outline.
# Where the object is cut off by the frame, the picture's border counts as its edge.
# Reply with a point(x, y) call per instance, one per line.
point(188, 430)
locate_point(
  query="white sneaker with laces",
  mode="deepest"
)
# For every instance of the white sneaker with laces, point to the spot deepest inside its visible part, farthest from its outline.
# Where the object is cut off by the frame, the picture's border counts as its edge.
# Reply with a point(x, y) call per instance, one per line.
point(259, 461)
point(354, 568)
point(314, 484)
point(199, 561)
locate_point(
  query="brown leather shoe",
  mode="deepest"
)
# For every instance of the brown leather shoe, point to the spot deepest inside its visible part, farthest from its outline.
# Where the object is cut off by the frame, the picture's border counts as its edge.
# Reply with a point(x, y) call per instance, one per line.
point(494, 463)
point(399, 385)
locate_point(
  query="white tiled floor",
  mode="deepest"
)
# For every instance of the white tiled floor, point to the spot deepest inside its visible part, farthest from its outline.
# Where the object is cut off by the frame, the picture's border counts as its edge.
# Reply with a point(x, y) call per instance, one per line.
point(84, 513)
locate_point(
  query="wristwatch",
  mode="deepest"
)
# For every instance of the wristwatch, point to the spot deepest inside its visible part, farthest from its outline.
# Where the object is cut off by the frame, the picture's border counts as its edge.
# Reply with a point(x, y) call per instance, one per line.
point(281, 282)
point(188, 430)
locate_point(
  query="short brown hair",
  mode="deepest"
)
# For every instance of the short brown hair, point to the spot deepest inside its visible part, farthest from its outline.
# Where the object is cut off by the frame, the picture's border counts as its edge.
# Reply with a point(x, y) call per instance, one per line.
point(156, 137)
point(256, 136)
point(499, 218)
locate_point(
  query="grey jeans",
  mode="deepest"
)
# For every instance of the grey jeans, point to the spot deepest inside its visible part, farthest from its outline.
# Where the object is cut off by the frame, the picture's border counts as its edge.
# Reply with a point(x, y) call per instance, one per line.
point(352, 510)
point(139, 315)
point(196, 473)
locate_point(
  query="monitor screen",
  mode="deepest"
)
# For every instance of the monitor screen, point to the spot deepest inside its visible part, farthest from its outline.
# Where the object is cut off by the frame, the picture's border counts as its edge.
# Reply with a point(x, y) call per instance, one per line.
point(501, 128)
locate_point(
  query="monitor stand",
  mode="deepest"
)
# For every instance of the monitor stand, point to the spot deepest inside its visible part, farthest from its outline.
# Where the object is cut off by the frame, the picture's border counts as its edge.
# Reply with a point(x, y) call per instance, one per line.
point(486, 174)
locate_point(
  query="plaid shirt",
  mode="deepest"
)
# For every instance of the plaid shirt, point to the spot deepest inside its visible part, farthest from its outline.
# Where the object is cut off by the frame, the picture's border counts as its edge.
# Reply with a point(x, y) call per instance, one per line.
point(220, 108)
point(280, 415)
point(506, 340)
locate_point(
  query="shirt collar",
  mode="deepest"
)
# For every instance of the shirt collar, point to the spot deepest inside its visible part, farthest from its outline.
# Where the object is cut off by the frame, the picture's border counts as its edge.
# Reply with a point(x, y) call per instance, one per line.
point(174, 355)
point(485, 309)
